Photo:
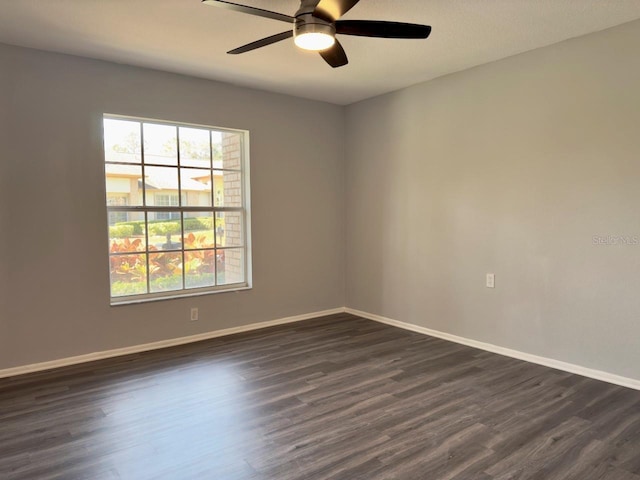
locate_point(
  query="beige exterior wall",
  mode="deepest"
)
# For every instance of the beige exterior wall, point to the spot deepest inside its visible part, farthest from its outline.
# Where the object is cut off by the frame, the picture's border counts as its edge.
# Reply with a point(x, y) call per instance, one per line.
point(124, 186)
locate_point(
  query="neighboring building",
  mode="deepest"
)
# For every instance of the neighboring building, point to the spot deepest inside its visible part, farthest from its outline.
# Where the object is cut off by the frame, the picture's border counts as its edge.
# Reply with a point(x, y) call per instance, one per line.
point(124, 187)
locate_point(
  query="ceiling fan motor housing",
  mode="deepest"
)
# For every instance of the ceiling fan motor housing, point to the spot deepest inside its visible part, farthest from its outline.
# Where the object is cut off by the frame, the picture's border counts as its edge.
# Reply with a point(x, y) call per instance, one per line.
point(307, 23)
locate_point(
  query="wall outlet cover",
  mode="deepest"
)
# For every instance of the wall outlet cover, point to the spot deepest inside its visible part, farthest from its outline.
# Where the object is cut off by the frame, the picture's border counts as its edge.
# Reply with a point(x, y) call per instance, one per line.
point(491, 280)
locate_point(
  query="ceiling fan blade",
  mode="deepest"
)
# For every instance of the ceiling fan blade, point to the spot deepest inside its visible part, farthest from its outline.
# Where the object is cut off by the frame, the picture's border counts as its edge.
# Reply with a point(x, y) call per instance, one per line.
point(375, 28)
point(262, 43)
point(335, 56)
point(250, 10)
point(333, 9)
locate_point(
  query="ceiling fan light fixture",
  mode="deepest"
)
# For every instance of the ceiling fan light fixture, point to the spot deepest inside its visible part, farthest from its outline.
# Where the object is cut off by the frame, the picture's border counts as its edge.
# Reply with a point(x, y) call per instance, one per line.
point(314, 36)
point(315, 41)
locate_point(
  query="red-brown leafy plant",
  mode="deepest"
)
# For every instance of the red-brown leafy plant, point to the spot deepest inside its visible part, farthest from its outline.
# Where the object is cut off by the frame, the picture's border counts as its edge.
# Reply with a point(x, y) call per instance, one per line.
point(128, 268)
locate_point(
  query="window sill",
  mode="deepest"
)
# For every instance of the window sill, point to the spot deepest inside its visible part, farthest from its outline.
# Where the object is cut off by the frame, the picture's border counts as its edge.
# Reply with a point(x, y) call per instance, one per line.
point(116, 302)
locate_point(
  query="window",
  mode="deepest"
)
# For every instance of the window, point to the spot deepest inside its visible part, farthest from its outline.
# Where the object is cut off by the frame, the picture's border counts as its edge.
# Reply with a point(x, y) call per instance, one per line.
point(176, 199)
point(114, 199)
point(163, 200)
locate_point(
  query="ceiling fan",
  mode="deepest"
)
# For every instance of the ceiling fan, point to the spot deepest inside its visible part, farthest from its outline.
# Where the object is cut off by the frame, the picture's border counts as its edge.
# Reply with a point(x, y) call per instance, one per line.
point(316, 24)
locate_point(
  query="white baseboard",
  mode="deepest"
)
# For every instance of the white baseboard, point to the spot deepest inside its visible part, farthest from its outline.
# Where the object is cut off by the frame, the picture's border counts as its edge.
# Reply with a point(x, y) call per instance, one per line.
point(90, 357)
point(547, 362)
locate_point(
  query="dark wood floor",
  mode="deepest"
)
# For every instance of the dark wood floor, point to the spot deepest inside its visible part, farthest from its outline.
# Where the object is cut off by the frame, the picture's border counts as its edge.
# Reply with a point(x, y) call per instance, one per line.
point(333, 398)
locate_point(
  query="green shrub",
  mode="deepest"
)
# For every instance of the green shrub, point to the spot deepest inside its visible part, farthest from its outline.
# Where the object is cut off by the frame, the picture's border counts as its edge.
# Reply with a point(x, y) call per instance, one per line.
point(121, 231)
point(198, 223)
point(164, 228)
point(169, 282)
point(119, 288)
point(136, 225)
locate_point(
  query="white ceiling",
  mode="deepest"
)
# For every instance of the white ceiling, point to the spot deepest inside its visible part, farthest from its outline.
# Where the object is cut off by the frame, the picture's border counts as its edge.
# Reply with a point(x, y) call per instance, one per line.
point(185, 36)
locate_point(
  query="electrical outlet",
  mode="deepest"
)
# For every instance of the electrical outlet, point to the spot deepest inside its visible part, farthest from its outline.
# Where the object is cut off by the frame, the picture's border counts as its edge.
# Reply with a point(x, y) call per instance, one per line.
point(194, 314)
point(491, 280)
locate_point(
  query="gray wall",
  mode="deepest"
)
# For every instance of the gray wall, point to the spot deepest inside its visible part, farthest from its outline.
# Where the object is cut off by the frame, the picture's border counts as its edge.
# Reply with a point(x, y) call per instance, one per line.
point(510, 168)
point(54, 220)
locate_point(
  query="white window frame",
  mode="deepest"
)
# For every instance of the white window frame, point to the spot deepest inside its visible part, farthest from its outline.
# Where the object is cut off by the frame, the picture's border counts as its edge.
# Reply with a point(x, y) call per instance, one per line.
point(213, 209)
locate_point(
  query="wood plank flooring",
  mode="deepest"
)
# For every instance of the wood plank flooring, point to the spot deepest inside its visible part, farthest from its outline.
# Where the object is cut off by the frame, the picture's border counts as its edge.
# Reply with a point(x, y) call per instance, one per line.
point(339, 397)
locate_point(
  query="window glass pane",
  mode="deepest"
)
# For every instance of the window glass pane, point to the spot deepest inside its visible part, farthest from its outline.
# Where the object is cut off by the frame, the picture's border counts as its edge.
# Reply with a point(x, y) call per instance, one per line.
point(227, 150)
point(161, 185)
point(164, 230)
point(199, 268)
point(227, 187)
point(128, 274)
point(126, 232)
point(195, 147)
point(122, 141)
point(165, 271)
point(229, 229)
point(196, 187)
point(160, 144)
point(230, 263)
point(198, 230)
point(123, 185)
